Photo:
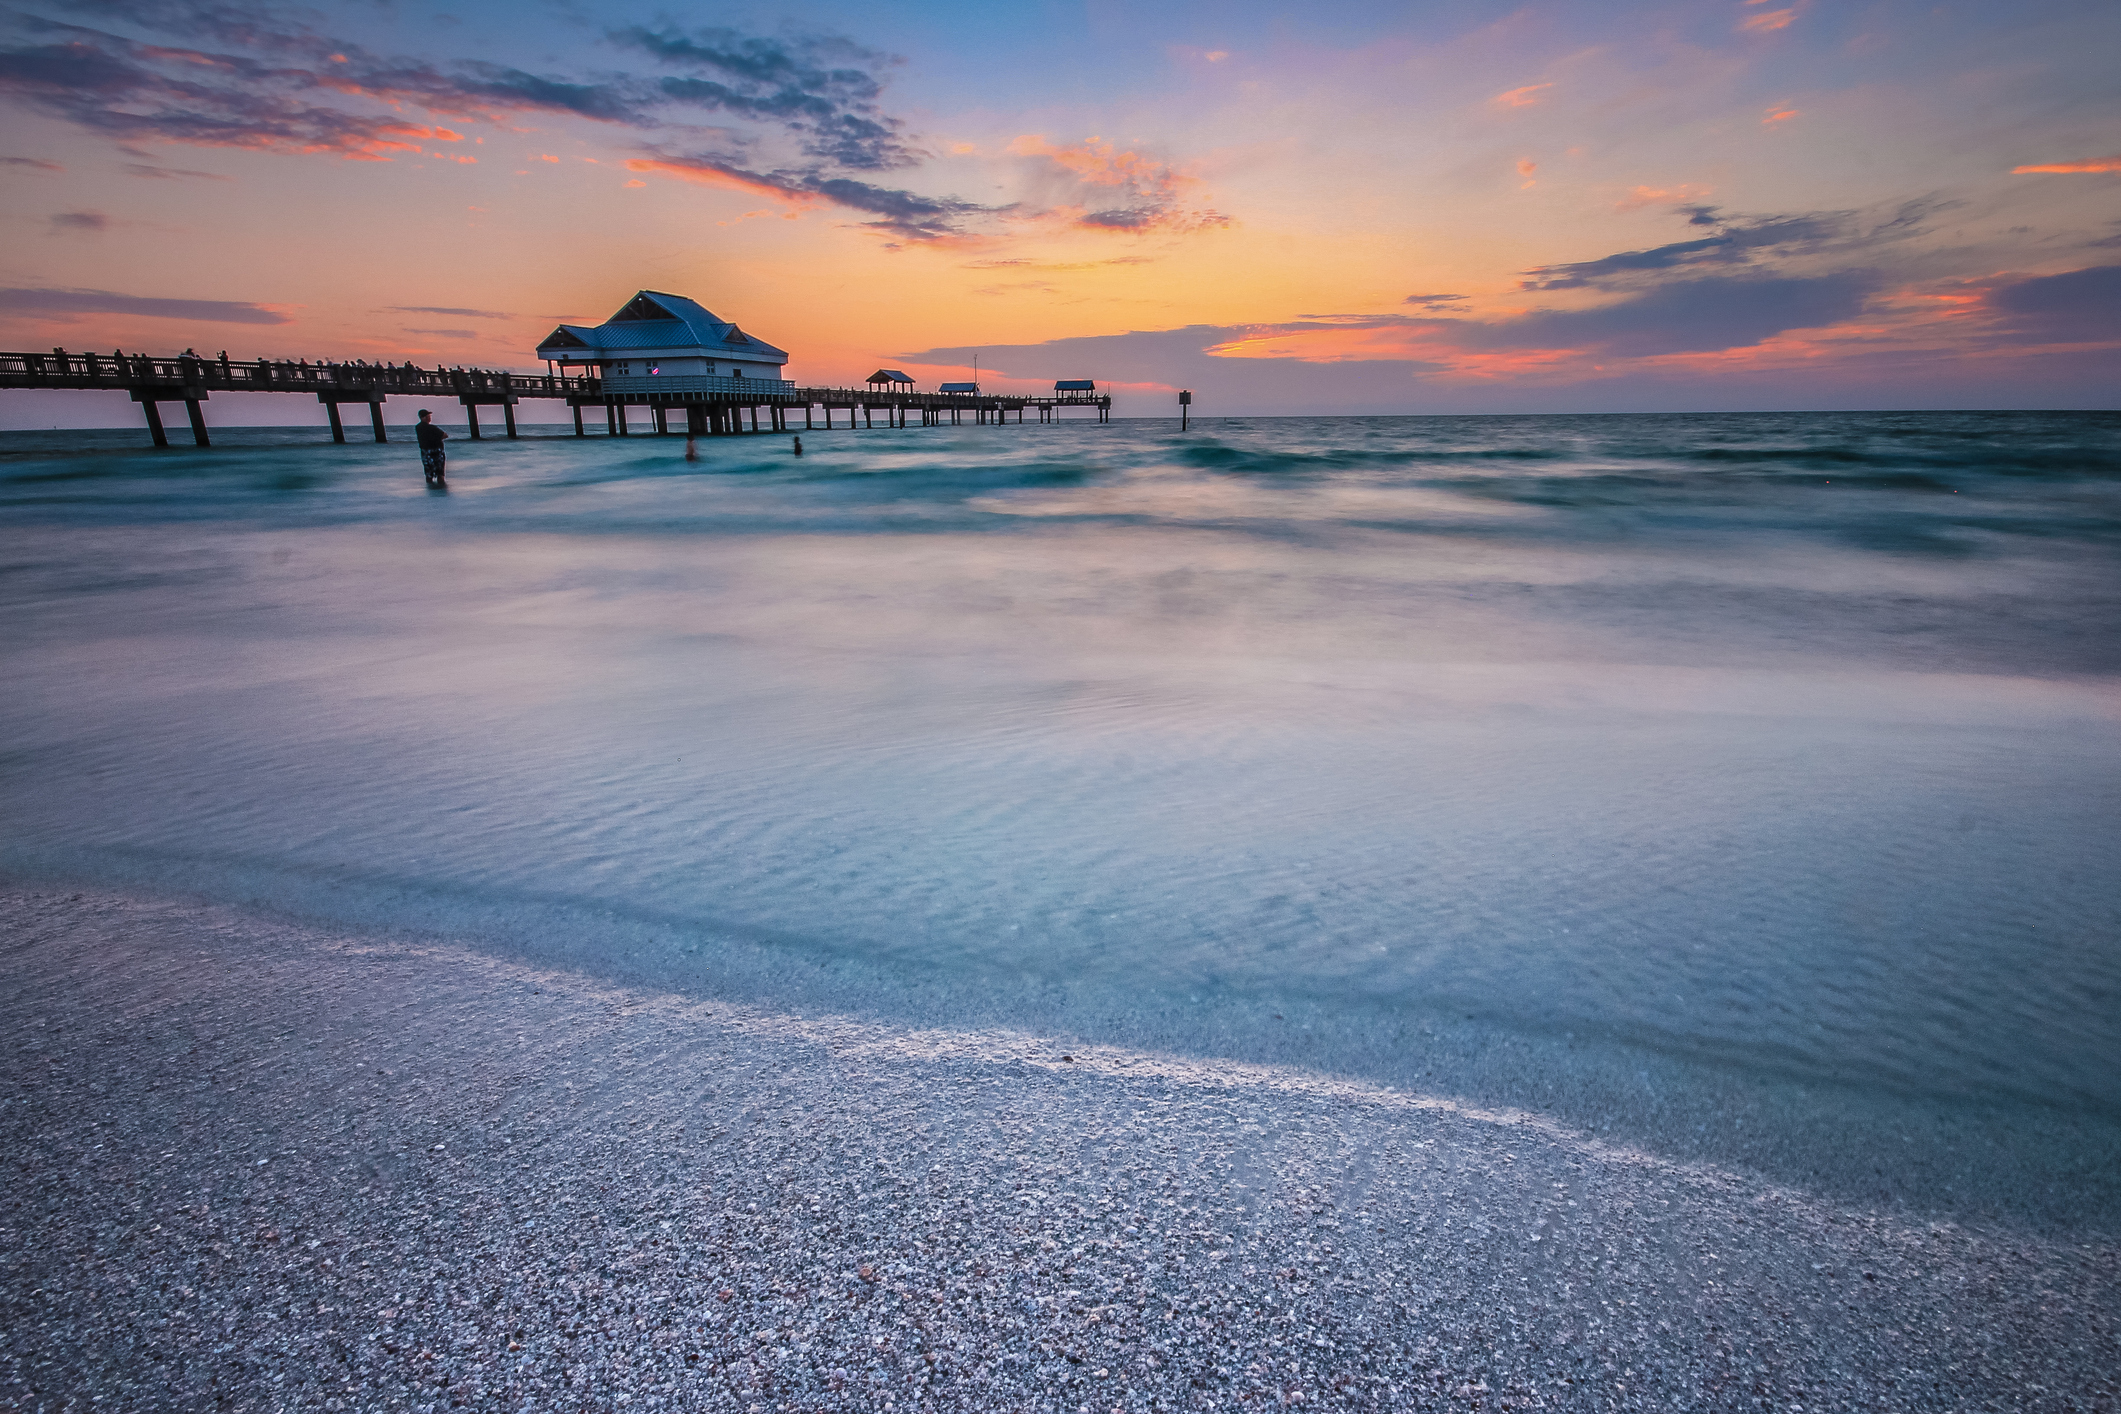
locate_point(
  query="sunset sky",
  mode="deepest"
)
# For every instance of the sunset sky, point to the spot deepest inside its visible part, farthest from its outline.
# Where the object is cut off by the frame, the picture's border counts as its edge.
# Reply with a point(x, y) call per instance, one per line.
point(1335, 208)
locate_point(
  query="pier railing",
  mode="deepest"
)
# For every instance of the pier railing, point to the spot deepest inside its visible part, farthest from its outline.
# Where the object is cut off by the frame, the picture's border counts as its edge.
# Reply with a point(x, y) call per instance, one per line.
point(192, 379)
point(156, 372)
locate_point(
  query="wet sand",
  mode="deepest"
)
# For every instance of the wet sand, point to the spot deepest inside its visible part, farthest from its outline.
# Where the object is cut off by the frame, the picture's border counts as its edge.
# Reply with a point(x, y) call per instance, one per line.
point(255, 1165)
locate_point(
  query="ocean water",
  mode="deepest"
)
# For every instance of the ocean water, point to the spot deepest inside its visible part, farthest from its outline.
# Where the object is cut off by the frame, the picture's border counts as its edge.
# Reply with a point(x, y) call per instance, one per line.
point(1742, 788)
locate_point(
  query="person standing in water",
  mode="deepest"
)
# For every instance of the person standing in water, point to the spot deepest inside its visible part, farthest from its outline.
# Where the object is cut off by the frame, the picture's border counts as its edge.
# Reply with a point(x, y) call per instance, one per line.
point(798, 446)
point(433, 459)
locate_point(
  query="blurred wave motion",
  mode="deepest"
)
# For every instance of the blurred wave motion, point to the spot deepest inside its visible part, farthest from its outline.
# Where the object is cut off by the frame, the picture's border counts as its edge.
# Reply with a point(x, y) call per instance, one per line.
point(1768, 755)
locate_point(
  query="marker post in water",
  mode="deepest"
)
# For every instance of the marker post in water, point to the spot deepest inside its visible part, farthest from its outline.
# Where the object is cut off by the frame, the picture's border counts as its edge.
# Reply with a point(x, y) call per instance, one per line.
point(1185, 408)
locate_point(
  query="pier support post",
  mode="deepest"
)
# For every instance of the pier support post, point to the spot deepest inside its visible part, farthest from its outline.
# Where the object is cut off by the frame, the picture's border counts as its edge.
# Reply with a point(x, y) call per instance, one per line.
point(198, 421)
point(508, 412)
point(695, 419)
point(471, 415)
point(611, 420)
point(154, 423)
point(338, 428)
point(375, 416)
point(806, 417)
point(657, 420)
point(625, 420)
point(579, 430)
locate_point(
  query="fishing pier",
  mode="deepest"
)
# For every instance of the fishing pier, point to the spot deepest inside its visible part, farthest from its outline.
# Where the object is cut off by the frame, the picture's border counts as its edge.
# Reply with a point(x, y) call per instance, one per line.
point(731, 406)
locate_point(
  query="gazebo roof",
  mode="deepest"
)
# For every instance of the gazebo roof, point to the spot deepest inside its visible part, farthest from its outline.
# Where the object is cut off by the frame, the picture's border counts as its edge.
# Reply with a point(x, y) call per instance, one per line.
point(665, 323)
point(889, 375)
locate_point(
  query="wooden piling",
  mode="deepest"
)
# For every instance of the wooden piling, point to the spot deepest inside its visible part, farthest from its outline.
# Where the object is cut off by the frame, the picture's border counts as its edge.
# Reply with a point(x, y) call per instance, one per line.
point(375, 416)
point(154, 422)
point(338, 428)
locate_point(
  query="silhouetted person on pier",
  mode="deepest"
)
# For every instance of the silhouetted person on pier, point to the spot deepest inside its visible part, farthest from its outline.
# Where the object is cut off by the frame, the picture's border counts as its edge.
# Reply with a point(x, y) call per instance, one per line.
point(433, 459)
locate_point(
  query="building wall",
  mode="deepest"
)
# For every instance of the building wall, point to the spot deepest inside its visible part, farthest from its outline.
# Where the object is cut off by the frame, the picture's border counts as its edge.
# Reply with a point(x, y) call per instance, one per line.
point(640, 381)
point(689, 368)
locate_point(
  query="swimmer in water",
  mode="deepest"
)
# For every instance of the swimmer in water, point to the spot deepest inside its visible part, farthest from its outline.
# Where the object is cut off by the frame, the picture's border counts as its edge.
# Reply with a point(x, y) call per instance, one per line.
point(692, 448)
point(798, 446)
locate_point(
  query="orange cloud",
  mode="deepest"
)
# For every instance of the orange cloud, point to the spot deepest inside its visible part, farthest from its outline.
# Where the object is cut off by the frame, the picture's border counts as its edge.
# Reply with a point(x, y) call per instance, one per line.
point(1777, 115)
point(714, 177)
point(1114, 190)
point(1769, 22)
point(1639, 197)
point(1095, 161)
point(547, 157)
point(2094, 164)
point(1521, 97)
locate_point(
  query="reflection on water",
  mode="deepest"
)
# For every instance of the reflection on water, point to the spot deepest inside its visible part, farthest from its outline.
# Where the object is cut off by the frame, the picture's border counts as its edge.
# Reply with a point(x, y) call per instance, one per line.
point(1666, 773)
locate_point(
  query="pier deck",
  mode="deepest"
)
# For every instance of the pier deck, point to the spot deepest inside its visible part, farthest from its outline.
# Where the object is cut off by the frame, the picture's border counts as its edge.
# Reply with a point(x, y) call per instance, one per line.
point(152, 380)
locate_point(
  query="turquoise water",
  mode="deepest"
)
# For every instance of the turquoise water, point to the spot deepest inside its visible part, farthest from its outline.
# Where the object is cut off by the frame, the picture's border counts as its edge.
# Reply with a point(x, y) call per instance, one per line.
point(1746, 788)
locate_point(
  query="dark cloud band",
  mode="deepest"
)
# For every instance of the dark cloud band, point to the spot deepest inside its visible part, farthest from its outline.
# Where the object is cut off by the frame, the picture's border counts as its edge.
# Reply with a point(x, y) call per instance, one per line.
point(75, 302)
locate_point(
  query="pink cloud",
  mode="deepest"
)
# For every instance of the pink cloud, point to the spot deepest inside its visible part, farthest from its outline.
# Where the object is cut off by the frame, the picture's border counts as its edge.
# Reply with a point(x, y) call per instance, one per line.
point(1645, 196)
point(2093, 164)
point(1521, 97)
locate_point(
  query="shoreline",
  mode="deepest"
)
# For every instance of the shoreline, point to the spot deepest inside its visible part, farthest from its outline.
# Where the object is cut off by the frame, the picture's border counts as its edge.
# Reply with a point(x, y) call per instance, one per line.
point(259, 1164)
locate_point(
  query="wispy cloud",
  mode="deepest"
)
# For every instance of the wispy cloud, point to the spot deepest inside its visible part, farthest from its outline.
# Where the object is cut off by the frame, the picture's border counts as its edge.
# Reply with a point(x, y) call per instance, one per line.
point(1435, 301)
point(1768, 22)
point(1096, 185)
point(67, 302)
point(823, 88)
point(1643, 197)
point(81, 221)
point(1738, 241)
point(145, 169)
point(34, 164)
point(446, 310)
point(1021, 263)
point(904, 214)
point(1524, 97)
point(2090, 164)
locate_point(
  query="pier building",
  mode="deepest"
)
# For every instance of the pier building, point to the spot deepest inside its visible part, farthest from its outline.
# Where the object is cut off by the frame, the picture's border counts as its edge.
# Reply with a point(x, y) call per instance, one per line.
point(667, 344)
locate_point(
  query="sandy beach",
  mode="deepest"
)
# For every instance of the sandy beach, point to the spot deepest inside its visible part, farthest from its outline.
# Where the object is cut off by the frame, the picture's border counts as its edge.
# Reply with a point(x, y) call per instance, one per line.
point(255, 1165)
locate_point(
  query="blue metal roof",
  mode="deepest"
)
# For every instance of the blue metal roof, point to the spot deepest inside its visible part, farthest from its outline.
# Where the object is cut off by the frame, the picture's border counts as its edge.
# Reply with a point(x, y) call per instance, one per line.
point(1076, 385)
point(670, 325)
point(959, 388)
